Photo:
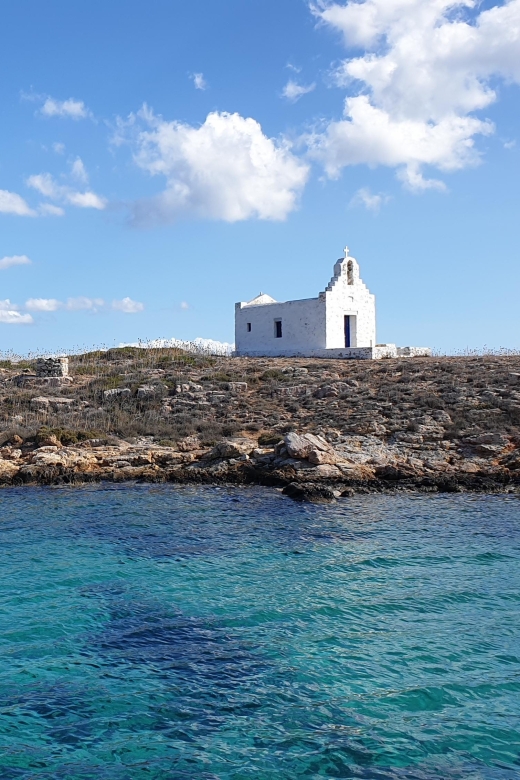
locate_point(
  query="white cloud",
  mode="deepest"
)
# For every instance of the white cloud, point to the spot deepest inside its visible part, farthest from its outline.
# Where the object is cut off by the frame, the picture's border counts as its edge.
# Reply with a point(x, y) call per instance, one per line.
point(72, 304)
point(43, 304)
point(427, 65)
point(70, 109)
point(372, 136)
point(7, 305)
point(294, 91)
point(86, 200)
point(84, 304)
point(9, 262)
point(47, 186)
point(81, 303)
point(48, 210)
point(11, 203)
point(185, 306)
point(10, 315)
point(370, 200)
point(58, 147)
point(226, 169)
point(199, 81)
point(128, 306)
point(78, 171)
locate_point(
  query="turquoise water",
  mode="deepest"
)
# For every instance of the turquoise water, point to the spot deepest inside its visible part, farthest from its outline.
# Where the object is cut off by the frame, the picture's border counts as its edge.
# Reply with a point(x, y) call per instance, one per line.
point(157, 632)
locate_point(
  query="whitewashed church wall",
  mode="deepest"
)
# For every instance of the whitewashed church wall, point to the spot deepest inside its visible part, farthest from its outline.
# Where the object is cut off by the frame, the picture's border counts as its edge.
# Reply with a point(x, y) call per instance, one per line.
point(303, 328)
point(357, 302)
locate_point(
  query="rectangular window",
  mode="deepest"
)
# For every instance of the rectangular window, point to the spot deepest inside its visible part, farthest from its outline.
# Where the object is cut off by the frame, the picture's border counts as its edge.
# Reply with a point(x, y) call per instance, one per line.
point(278, 329)
point(249, 327)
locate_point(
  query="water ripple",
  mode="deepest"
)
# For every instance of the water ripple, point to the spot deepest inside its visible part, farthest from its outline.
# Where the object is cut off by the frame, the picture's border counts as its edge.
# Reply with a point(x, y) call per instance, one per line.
point(160, 632)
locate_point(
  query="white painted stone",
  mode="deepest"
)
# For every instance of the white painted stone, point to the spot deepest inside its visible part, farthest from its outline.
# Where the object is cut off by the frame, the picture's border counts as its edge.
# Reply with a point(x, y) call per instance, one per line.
point(316, 327)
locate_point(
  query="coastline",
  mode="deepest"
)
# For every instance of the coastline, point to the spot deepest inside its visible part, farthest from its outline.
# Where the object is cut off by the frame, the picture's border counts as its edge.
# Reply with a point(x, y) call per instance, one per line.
point(52, 465)
point(318, 430)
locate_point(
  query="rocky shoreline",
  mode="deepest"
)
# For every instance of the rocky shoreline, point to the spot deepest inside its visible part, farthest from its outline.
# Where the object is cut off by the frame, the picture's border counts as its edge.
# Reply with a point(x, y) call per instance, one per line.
point(318, 430)
point(306, 467)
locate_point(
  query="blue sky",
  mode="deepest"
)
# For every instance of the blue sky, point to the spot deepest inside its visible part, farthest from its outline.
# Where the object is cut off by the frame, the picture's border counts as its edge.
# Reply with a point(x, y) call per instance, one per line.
point(161, 160)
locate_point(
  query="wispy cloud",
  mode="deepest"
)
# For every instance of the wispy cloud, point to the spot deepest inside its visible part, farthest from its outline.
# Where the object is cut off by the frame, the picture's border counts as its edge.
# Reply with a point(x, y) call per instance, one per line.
point(199, 81)
point(46, 185)
point(185, 306)
point(294, 91)
point(9, 262)
point(66, 109)
point(128, 306)
point(371, 201)
point(78, 171)
point(83, 303)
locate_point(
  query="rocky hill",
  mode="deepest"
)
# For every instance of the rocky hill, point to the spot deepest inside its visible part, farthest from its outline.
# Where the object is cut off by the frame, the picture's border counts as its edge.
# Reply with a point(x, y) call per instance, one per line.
point(316, 428)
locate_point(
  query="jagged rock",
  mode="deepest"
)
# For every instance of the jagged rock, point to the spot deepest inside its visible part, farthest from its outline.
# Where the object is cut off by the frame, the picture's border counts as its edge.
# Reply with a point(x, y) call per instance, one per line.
point(237, 387)
point(7, 470)
point(150, 391)
point(314, 494)
point(117, 392)
point(489, 444)
point(328, 472)
point(292, 392)
point(44, 403)
point(320, 458)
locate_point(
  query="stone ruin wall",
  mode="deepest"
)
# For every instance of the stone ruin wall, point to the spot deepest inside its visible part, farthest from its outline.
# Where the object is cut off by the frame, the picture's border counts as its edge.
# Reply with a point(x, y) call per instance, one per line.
point(52, 367)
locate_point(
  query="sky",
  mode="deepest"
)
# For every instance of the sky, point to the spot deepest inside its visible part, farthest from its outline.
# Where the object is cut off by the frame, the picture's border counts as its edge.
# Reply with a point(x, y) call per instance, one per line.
point(160, 161)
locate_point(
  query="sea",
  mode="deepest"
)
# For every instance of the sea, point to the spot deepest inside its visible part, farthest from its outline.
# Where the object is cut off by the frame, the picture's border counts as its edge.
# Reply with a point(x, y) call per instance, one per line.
point(162, 633)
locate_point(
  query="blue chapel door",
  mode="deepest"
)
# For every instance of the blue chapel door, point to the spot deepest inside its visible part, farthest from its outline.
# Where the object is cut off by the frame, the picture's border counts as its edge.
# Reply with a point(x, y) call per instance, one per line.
point(347, 330)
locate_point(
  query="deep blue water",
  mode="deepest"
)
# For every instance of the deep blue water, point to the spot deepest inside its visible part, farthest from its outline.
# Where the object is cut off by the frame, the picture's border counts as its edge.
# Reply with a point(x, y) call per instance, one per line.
point(164, 633)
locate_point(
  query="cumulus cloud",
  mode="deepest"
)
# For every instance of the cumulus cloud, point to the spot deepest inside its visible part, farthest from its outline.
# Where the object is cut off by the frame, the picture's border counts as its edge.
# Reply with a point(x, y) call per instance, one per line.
point(11, 203)
point(426, 66)
point(294, 91)
point(46, 185)
point(370, 200)
point(9, 262)
point(128, 306)
point(43, 304)
point(199, 81)
point(69, 109)
point(10, 315)
point(226, 169)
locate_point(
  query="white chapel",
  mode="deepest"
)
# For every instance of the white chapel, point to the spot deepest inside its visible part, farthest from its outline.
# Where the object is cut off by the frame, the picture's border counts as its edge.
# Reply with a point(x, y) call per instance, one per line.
point(339, 323)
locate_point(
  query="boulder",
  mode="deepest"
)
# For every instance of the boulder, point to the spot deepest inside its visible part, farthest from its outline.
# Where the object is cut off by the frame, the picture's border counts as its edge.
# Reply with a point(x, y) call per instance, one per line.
point(7, 470)
point(231, 448)
point(237, 387)
point(314, 494)
point(297, 391)
point(117, 392)
point(320, 458)
point(300, 446)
